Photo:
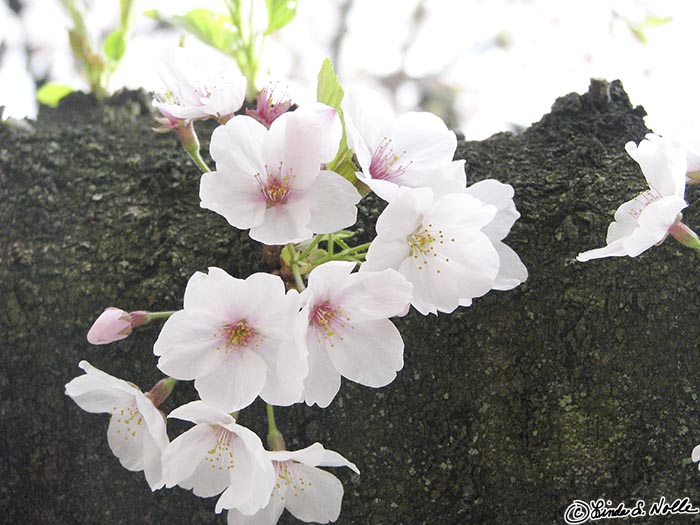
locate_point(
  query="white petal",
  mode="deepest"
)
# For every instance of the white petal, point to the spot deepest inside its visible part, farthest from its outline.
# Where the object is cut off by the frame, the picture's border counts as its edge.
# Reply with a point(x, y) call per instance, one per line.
point(511, 271)
point(376, 295)
point(614, 249)
point(404, 211)
point(186, 453)
point(96, 391)
point(663, 162)
point(460, 210)
point(321, 497)
point(316, 456)
point(126, 435)
point(235, 383)
point(188, 346)
point(269, 515)
point(326, 280)
point(331, 200)
point(369, 114)
point(369, 353)
point(696, 454)
point(425, 138)
point(238, 147)
point(234, 196)
point(326, 125)
point(388, 250)
point(286, 371)
point(283, 224)
point(654, 223)
point(500, 195)
point(152, 462)
point(199, 412)
point(323, 382)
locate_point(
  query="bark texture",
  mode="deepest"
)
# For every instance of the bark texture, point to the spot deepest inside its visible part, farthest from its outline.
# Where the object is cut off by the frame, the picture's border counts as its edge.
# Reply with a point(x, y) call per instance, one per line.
point(580, 384)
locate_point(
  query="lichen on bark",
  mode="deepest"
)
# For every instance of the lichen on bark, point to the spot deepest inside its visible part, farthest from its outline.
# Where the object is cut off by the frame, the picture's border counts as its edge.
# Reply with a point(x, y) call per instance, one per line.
point(579, 384)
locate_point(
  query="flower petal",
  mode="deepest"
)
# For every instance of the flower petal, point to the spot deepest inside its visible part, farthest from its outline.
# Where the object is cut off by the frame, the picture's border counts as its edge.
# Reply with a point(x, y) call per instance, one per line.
point(96, 391)
point(654, 223)
point(511, 270)
point(331, 200)
point(323, 382)
point(500, 195)
point(369, 352)
point(318, 499)
point(663, 162)
point(376, 295)
point(283, 224)
point(235, 383)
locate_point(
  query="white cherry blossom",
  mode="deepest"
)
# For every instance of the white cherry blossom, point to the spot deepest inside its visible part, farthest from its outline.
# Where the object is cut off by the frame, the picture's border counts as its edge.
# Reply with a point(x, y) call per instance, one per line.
point(511, 271)
point(219, 456)
point(438, 246)
point(136, 433)
point(349, 332)
point(647, 219)
point(271, 181)
point(307, 492)
point(237, 339)
point(199, 84)
point(412, 150)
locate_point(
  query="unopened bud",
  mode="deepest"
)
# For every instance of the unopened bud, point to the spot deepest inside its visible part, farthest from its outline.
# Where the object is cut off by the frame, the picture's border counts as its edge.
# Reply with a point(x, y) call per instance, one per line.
point(112, 325)
point(685, 235)
point(161, 390)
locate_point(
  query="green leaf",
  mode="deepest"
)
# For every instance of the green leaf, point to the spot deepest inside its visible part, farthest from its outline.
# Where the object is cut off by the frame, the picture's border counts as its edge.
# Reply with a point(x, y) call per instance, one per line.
point(115, 45)
point(211, 28)
point(50, 94)
point(279, 14)
point(330, 92)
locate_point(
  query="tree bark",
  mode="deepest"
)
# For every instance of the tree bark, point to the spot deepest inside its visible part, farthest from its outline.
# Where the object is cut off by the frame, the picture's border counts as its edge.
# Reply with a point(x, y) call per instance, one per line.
point(580, 384)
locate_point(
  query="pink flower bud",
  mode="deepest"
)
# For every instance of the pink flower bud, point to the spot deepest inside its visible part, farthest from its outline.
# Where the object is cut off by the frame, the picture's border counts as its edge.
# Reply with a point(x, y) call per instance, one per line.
point(112, 325)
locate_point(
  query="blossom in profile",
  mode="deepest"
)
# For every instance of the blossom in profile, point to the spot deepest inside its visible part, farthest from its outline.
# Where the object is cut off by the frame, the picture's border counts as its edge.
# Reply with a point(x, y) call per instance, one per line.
point(307, 492)
point(237, 339)
point(511, 270)
point(219, 456)
point(348, 328)
point(199, 84)
point(269, 105)
point(647, 219)
point(136, 432)
point(271, 181)
point(438, 246)
point(412, 150)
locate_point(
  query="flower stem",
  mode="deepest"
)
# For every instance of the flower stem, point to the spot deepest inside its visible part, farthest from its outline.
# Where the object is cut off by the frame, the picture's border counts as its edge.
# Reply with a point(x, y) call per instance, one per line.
point(275, 440)
point(160, 315)
point(298, 280)
point(199, 161)
point(314, 242)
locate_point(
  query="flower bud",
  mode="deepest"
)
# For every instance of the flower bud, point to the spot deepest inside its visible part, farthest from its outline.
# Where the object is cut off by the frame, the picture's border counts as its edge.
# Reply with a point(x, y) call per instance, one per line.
point(685, 235)
point(112, 325)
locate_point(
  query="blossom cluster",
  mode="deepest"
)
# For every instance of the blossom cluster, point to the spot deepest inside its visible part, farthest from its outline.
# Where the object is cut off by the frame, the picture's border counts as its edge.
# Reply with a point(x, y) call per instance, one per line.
point(279, 174)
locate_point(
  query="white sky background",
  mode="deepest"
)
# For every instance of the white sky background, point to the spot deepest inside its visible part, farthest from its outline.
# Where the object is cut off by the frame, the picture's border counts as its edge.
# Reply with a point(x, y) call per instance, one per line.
point(496, 64)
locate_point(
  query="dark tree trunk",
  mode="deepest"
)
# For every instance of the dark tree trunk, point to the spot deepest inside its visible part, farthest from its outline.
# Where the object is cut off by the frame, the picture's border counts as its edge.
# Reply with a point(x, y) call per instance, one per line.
point(580, 384)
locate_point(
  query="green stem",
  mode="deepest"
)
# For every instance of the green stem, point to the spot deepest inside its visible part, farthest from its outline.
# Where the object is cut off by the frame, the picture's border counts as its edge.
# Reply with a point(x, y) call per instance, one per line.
point(160, 315)
point(275, 440)
point(199, 161)
point(307, 251)
point(297, 277)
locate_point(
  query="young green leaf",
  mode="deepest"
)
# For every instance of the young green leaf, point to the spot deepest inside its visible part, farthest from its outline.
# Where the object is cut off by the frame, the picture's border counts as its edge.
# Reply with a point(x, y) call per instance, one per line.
point(330, 92)
point(50, 94)
point(211, 28)
point(279, 14)
point(115, 45)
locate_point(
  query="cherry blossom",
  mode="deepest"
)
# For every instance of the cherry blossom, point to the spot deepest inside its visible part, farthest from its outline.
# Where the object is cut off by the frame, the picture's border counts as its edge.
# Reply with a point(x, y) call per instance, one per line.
point(438, 246)
point(269, 106)
point(112, 325)
point(511, 271)
point(219, 456)
point(199, 84)
point(271, 181)
point(237, 339)
point(136, 433)
point(412, 150)
point(307, 492)
point(349, 332)
point(647, 219)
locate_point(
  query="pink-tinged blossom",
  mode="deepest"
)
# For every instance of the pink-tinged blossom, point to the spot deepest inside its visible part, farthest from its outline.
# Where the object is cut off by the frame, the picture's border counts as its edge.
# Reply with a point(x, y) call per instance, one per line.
point(219, 456)
point(647, 219)
point(136, 433)
point(307, 492)
point(511, 271)
point(199, 84)
point(438, 246)
point(348, 328)
point(269, 106)
point(271, 181)
point(112, 325)
point(412, 150)
point(237, 339)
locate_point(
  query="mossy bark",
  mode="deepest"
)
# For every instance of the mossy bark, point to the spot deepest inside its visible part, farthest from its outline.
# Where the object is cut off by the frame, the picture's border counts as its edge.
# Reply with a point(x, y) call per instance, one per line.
point(580, 384)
